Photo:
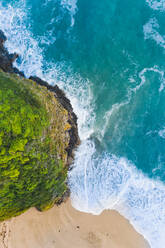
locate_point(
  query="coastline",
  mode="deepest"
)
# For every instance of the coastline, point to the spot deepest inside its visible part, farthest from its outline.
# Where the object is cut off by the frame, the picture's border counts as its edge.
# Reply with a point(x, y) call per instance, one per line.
point(6, 64)
point(63, 226)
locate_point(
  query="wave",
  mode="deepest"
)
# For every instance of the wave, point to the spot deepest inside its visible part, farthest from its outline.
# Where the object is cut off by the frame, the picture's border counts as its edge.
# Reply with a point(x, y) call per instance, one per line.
point(150, 30)
point(14, 22)
point(116, 107)
point(70, 5)
point(108, 182)
point(156, 4)
point(78, 91)
point(162, 133)
point(97, 181)
point(155, 69)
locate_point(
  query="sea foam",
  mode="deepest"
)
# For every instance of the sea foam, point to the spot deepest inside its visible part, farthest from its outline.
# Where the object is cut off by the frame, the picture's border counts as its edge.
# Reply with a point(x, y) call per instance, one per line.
point(151, 31)
point(108, 182)
point(116, 107)
point(71, 5)
point(156, 4)
point(14, 22)
point(98, 181)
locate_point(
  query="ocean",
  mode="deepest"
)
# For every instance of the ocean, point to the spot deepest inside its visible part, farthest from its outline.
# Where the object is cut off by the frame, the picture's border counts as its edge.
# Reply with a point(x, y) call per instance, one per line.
point(109, 57)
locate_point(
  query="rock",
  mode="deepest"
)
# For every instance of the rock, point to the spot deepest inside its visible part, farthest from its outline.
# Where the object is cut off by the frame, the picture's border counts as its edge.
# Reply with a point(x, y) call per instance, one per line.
point(2, 37)
point(13, 57)
point(6, 64)
point(6, 59)
point(16, 71)
point(62, 131)
point(65, 102)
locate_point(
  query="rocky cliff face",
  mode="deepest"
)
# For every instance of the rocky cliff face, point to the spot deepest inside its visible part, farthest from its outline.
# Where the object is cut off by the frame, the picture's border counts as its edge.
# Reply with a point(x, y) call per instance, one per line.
point(6, 59)
point(38, 136)
point(6, 64)
point(72, 118)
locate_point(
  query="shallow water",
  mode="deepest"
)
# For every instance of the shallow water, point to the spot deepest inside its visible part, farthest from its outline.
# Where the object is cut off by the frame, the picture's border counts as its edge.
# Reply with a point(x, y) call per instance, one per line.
point(109, 58)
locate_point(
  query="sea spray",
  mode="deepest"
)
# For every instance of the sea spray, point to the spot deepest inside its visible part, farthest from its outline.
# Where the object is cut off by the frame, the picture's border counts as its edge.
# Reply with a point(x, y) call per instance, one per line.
point(156, 4)
point(71, 5)
point(14, 22)
point(108, 182)
point(150, 30)
point(99, 179)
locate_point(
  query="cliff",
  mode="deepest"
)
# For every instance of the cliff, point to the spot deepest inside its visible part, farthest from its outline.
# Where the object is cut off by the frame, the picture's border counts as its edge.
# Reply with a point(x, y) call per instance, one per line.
point(38, 135)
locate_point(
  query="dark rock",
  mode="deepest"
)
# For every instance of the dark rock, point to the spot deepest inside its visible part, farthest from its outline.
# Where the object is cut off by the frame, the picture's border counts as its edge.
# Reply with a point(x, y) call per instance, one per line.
point(2, 37)
point(7, 59)
point(65, 102)
point(13, 57)
point(6, 64)
point(18, 72)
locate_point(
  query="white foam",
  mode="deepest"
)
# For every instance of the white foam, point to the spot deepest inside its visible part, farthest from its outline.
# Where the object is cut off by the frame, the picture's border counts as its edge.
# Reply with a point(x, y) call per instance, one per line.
point(14, 22)
point(70, 5)
point(97, 182)
point(152, 69)
point(108, 115)
point(107, 182)
point(150, 30)
point(162, 133)
point(131, 93)
point(78, 91)
point(156, 4)
point(131, 79)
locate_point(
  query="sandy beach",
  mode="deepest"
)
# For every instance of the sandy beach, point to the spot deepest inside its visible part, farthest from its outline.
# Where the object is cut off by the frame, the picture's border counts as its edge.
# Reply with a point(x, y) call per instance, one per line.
point(64, 227)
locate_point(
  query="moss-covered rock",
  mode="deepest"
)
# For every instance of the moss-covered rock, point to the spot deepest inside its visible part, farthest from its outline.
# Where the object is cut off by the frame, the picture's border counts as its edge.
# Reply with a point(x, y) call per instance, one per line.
point(38, 133)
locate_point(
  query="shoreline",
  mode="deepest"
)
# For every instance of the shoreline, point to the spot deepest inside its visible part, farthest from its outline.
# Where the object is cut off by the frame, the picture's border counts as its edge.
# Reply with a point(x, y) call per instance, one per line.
point(63, 226)
point(57, 226)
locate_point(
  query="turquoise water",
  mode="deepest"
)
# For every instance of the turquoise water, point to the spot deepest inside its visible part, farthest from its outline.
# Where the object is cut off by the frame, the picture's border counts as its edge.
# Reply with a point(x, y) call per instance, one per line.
point(109, 57)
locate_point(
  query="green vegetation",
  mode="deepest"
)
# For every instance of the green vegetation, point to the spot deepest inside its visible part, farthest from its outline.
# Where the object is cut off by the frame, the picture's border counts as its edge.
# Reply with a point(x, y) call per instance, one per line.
point(33, 139)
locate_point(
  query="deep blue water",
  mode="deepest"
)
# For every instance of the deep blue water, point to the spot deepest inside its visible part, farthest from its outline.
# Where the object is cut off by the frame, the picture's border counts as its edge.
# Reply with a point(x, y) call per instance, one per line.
point(109, 57)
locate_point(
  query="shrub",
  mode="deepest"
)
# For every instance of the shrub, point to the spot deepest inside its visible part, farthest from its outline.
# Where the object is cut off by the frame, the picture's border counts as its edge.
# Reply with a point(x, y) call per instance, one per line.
point(32, 171)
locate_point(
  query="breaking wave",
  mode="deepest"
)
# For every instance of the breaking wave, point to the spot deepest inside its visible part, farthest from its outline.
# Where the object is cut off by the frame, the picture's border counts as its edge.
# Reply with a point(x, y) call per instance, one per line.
point(98, 180)
point(156, 4)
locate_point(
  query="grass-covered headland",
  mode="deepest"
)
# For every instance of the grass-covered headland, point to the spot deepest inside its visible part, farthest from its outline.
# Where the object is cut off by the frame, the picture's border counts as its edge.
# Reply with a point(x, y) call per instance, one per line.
point(34, 138)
